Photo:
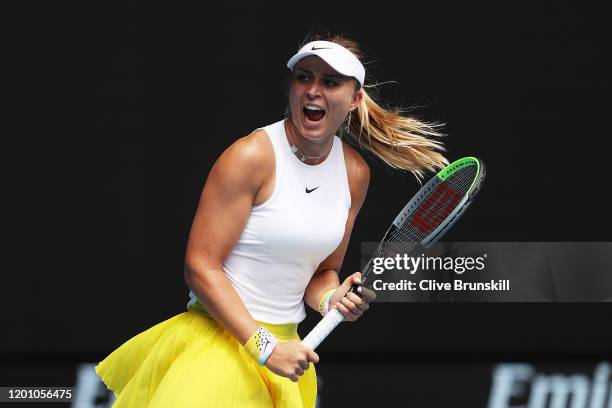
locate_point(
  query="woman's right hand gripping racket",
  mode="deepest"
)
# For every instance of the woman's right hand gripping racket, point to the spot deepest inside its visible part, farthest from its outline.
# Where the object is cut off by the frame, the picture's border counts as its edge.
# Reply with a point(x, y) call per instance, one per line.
point(420, 224)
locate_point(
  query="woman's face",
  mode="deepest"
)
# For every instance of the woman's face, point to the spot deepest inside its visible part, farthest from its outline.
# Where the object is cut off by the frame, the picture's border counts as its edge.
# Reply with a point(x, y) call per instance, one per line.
point(320, 98)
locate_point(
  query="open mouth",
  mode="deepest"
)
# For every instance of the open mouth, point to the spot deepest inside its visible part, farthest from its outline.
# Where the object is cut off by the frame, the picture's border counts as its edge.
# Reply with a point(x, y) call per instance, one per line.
point(314, 113)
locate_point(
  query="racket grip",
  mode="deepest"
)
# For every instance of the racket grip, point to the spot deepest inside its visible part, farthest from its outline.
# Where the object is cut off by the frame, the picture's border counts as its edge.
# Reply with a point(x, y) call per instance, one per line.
point(323, 328)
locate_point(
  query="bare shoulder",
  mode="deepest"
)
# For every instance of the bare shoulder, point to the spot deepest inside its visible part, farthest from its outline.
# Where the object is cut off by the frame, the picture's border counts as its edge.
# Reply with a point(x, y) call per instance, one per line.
point(247, 162)
point(358, 173)
point(252, 149)
point(252, 152)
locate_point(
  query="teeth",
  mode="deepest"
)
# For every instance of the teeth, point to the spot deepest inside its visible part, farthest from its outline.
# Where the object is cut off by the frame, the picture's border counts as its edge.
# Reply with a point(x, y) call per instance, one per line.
point(313, 107)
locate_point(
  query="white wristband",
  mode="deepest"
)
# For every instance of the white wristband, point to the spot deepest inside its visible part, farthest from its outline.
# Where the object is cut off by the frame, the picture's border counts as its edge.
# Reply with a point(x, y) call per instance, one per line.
point(261, 345)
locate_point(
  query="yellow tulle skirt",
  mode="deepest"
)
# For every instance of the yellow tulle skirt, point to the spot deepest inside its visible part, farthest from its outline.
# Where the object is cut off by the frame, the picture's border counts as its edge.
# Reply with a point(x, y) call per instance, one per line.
point(191, 361)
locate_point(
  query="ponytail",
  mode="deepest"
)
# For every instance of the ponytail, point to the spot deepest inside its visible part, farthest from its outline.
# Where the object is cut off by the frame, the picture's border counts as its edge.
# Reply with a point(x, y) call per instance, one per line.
point(400, 141)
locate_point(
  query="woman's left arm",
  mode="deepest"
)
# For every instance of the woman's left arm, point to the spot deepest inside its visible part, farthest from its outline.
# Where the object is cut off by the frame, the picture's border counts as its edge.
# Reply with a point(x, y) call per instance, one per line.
point(351, 305)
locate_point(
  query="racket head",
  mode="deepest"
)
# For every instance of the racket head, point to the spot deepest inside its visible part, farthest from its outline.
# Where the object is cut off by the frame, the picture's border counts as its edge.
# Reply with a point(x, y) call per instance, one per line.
point(433, 209)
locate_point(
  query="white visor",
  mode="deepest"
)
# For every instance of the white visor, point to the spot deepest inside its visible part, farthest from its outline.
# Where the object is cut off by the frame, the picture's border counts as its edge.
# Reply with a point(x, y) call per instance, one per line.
point(338, 57)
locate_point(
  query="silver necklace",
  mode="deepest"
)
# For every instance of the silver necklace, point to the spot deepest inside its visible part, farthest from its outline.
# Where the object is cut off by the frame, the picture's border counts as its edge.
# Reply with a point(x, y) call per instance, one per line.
point(303, 157)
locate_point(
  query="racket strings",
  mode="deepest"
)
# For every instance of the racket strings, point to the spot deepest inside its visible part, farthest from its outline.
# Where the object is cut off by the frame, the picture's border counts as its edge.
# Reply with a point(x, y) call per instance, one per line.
point(409, 235)
point(442, 199)
point(445, 197)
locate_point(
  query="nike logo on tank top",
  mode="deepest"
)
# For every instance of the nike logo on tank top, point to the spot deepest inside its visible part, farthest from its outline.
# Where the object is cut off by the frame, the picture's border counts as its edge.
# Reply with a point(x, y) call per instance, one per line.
point(288, 236)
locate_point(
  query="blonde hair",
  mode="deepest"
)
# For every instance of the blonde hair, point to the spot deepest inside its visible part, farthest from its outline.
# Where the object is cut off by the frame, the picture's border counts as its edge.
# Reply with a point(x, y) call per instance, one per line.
point(401, 141)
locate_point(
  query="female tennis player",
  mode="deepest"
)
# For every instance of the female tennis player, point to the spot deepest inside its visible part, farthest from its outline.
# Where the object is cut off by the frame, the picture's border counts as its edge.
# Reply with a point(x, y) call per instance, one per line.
point(270, 233)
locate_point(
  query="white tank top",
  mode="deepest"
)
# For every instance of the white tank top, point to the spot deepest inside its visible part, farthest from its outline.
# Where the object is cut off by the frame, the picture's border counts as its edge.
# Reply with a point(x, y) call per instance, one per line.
point(288, 236)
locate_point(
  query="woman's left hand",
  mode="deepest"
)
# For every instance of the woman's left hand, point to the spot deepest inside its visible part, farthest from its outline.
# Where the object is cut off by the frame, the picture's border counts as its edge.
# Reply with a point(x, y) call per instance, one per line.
point(352, 305)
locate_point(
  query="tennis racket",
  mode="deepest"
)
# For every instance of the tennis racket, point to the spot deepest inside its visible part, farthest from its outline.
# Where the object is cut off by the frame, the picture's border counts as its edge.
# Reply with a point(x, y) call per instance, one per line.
point(420, 224)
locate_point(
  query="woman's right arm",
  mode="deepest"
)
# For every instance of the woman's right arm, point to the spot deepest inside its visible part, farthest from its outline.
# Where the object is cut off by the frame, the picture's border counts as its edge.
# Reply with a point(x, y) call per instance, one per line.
point(222, 213)
point(224, 208)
